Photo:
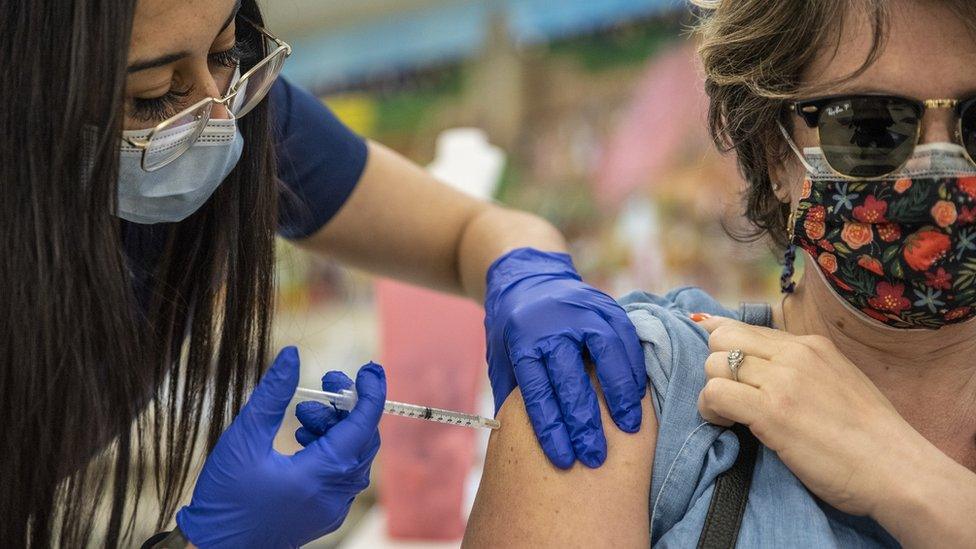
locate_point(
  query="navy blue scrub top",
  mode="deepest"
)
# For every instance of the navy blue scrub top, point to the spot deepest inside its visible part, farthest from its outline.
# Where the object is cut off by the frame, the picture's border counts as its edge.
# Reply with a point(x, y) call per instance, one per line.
point(320, 162)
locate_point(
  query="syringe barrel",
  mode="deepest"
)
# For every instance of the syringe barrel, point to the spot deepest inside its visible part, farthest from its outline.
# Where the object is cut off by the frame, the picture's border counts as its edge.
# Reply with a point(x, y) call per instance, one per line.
point(343, 400)
point(346, 400)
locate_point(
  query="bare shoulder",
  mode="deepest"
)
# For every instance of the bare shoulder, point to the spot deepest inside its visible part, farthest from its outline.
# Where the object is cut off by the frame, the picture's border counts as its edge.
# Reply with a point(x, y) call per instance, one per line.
point(524, 501)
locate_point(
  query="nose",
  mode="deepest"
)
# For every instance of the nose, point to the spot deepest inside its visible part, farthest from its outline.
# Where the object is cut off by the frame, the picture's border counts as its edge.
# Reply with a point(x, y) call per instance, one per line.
point(938, 126)
point(215, 86)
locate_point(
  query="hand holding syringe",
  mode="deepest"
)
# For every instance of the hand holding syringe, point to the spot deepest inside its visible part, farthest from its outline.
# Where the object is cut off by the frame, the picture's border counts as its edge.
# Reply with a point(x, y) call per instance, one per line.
point(346, 400)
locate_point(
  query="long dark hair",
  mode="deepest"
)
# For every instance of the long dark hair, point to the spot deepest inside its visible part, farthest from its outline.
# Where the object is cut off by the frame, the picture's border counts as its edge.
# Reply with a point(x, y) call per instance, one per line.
point(97, 386)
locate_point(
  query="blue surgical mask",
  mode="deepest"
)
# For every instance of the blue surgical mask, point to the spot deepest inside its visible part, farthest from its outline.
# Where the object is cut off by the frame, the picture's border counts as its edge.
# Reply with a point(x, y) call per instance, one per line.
point(177, 190)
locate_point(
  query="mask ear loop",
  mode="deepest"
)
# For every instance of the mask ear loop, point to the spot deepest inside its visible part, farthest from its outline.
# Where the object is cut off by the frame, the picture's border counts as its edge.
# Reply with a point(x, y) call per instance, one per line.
point(795, 149)
point(786, 283)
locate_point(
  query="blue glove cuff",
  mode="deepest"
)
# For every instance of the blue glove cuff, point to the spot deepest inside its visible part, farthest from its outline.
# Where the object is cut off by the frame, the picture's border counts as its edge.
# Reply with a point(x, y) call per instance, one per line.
point(522, 263)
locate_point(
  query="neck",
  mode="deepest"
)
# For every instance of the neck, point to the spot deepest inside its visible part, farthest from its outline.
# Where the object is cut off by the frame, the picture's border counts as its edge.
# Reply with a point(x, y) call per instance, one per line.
point(938, 360)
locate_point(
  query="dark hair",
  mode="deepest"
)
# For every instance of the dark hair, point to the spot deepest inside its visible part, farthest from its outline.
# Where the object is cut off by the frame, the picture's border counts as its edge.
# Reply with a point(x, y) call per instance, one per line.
point(97, 388)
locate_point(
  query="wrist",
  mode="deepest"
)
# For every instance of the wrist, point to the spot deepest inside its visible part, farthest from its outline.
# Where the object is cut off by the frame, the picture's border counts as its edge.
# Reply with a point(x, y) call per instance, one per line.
point(494, 233)
point(521, 262)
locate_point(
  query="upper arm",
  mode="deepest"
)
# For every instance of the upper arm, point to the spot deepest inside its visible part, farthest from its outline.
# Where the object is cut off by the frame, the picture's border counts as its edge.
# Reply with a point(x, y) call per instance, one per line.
point(525, 501)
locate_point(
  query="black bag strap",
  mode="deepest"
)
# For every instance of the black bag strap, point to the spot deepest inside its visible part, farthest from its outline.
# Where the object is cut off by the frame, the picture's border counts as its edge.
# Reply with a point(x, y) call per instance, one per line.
point(721, 529)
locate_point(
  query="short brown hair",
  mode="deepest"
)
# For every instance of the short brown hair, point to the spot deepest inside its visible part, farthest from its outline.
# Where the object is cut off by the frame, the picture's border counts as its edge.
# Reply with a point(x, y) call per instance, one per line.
point(754, 53)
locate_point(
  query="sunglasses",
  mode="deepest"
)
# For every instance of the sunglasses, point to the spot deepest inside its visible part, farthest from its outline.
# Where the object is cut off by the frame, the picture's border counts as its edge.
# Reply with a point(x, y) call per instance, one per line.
point(871, 136)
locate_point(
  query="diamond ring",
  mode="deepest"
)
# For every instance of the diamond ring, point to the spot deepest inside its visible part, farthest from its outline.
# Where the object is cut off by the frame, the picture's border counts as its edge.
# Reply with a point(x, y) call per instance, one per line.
point(735, 361)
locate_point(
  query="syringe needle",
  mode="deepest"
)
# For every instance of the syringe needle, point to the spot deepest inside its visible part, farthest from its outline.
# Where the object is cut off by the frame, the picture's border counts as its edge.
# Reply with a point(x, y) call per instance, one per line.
point(346, 400)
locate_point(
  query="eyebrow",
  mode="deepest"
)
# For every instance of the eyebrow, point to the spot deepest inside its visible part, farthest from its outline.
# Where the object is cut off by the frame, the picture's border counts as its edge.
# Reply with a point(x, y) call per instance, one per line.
point(173, 57)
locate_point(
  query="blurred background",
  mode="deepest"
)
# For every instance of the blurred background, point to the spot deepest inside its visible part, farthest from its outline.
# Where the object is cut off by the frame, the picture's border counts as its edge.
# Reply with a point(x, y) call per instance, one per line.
point(589, 113)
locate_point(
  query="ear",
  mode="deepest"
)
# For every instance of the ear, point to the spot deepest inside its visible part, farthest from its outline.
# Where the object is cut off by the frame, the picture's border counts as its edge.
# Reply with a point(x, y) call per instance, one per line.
point(784, 178)
point(786, 172)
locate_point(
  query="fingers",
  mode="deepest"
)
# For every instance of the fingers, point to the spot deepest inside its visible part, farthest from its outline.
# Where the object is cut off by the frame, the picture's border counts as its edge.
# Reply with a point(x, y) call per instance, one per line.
point(712, 322)
point(336, 382)
point(627, 333)
point(544, 411)
point(316, 419)
point(752, 371)
point(726, 334)
point(724, 402)
point(258, 422)
point(616, 376)
point(577, 399)
point(353, 437)
point(305, 437)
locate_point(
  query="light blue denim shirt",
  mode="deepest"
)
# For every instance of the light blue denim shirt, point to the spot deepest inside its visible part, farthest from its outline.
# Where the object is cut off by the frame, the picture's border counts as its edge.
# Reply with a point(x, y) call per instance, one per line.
point(690, 453)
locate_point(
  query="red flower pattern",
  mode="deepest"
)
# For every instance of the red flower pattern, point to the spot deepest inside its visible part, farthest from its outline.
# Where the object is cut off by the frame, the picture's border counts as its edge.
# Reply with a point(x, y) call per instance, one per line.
point(814, 229)
point(817, 213)
point(890, 297)
point(903, 235)
point(924, 248)
point(871, 264)
point(940, 280)
point(889, 232)
point(966, 214)
point(968, 186)
point(958, 312)
point(872, 211)
point(807, 188)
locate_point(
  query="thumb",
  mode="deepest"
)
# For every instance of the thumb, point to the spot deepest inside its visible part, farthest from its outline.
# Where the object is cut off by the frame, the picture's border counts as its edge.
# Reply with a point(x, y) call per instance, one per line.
point(262, 415)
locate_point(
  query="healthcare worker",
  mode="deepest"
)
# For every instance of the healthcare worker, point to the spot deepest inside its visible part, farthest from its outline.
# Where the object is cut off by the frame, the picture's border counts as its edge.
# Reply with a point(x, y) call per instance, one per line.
point(149, 153)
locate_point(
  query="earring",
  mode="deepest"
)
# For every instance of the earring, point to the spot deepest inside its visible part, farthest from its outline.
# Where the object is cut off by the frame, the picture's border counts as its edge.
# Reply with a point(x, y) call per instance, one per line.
point(777, 186)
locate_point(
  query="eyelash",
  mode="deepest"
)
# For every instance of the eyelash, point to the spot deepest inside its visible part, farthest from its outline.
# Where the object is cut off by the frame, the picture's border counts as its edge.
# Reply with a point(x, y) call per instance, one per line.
point(231, 58)
point(159, 108)
point(168, 104)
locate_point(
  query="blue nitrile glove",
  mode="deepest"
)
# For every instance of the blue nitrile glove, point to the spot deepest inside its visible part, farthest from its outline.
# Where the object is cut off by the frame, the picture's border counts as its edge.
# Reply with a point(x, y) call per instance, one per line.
point(317, 418)
point(540, 317)
point(249, 495)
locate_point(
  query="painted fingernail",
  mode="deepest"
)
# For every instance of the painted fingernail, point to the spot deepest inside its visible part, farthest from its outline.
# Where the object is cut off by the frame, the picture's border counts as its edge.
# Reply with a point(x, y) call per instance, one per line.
point(698, 317)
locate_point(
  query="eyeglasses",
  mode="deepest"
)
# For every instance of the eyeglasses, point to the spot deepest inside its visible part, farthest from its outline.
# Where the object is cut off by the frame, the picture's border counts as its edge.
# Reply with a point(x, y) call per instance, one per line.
point(871, 136)
point(175, 135)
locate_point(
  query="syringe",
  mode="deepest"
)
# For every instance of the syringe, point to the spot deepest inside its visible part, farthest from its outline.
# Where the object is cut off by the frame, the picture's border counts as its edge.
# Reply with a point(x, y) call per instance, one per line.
point(346, 400)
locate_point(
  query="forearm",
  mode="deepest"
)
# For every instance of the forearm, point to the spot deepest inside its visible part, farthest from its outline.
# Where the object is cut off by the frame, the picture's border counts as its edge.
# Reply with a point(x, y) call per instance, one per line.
point(932, 501)
point(401, 222)
point(493, 232)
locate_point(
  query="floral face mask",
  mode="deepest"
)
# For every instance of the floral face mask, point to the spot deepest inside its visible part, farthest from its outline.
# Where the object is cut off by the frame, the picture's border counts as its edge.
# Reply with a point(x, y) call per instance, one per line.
point(901, 249)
